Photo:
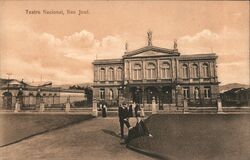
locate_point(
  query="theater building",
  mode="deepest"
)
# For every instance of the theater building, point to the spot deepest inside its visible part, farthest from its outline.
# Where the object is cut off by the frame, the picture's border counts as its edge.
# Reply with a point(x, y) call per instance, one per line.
point(162, 74)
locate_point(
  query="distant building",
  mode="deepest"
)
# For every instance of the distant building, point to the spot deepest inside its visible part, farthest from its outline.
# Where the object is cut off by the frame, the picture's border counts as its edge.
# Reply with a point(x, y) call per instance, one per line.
point(236, 97)
point(164, 74)
point(31, 96)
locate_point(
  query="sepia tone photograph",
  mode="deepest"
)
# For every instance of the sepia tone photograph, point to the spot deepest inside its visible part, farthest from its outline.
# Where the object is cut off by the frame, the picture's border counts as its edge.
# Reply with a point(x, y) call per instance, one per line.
point(135, 80)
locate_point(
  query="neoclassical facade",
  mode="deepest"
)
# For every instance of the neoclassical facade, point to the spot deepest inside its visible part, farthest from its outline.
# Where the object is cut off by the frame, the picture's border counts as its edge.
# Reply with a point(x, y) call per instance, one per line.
point(157, 73)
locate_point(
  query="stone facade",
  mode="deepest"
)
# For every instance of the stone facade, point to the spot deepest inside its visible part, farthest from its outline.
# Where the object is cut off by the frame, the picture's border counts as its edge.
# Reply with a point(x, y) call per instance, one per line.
point(164, 74)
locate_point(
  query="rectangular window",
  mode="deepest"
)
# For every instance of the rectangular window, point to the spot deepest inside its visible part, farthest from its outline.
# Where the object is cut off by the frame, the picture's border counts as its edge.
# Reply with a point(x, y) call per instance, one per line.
point(186, 92)
point(207, 92)
point(102, 93)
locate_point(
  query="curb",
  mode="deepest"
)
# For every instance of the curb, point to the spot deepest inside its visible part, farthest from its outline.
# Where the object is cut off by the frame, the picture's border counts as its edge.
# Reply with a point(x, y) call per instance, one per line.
point(148, 153)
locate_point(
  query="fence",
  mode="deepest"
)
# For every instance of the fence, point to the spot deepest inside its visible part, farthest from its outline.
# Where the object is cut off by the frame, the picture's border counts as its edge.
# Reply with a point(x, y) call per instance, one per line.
point(33, 102)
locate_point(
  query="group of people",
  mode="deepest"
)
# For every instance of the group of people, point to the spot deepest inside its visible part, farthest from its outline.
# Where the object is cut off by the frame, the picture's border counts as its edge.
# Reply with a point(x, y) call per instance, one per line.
point(125, 112)
point(104, 109)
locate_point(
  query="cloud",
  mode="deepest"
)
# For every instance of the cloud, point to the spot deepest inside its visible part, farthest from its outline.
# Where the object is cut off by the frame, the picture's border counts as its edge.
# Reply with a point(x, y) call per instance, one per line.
point(28, 54)
point(230, 45)
point(204, 34)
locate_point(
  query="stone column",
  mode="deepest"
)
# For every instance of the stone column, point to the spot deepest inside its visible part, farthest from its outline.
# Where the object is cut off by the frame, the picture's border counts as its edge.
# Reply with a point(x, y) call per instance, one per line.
point(154, 110)
point(144, 98)
point(179, 95)
point(94, 109)
point(219, 106)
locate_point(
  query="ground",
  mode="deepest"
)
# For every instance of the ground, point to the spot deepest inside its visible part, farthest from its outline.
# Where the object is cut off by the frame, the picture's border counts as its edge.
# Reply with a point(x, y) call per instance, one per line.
point(198, 136)
point(91, 139)
point(176, 136)
point(16, 127)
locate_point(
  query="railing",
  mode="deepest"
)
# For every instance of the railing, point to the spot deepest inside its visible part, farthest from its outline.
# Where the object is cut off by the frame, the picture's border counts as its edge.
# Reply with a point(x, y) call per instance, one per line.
point(33, 103)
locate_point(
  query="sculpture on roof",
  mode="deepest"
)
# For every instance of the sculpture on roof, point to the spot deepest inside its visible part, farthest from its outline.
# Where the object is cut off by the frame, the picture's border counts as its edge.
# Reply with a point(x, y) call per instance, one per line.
point(149, 38)
point(175, 44)
point(126, 46)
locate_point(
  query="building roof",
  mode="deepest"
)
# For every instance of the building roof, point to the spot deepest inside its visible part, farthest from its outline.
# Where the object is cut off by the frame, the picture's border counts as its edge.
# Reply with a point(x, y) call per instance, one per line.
point(235, 90)
point(198, 56)
point(16, 83)
point(109, 61)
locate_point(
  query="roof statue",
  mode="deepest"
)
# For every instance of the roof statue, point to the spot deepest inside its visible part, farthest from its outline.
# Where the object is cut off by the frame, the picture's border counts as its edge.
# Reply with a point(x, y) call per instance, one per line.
point(126, 47)
point(175, 44)
point(149, 38)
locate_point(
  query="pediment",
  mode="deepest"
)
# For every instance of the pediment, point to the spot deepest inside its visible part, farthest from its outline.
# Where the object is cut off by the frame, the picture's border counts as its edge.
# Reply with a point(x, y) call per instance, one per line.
point(149, 54)
point(151, 51)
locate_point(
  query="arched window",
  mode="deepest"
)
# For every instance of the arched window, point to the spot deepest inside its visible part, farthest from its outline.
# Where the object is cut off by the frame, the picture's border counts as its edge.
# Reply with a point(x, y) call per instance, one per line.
point(102, 74)
point(165, 70)
point(151, 72)
point(137, 72)
point(195, 71)
point(184, 71)
point(119, 73)
point(111, 74)
point(205, 70)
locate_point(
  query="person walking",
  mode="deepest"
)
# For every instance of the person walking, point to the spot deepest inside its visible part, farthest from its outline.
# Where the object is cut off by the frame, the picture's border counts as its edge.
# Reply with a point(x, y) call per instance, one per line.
point(104, 110)
point(123, 119)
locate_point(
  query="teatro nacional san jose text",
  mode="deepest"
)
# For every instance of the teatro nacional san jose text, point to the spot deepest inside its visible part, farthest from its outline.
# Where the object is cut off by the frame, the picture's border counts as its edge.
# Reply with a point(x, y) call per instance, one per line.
point(57, 12)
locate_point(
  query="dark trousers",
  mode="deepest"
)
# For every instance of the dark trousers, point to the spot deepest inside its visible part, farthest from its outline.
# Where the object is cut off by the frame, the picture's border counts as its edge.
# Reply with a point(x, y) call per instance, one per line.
point(122, 122)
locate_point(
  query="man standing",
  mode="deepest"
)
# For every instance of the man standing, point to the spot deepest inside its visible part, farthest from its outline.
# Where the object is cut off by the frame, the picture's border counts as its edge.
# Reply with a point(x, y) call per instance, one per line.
point(123, 118)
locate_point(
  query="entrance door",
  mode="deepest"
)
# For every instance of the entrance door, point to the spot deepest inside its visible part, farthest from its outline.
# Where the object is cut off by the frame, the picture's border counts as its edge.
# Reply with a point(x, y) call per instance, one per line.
point(151, 92)
point(167, 95)
point(136, 95)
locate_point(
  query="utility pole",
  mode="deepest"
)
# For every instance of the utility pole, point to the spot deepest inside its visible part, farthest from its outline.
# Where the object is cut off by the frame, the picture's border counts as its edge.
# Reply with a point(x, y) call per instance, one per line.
point(8, 74)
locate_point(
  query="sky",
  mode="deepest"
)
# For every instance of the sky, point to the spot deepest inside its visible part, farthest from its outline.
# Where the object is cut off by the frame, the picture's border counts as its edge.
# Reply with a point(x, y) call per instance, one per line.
point(61, 48)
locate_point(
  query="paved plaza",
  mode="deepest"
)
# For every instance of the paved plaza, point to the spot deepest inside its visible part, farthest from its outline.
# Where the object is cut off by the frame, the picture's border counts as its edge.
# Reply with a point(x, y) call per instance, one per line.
point(92, 139)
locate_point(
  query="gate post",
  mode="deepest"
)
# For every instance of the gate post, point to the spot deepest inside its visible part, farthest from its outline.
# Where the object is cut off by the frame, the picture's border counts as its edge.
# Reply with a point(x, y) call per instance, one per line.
point(185, 106)
point(67, 106)
point(41, 106)
point(17, 106)
point(219, 106)
point(154, 110)
point(94, 108)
